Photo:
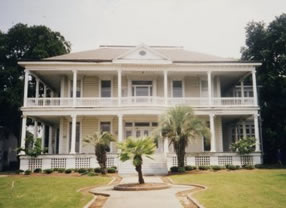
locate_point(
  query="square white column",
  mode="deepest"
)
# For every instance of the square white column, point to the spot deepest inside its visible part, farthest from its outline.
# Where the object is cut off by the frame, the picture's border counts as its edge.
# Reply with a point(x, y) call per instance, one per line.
point(119, 86)
point(26, 84)
point(166, 87)
point(73, 134)
point(254, 87)
point(210, 87)
point(74, 87)
point(120, 127)
point(212, 129)
point(256, 131)
point(37, 90)
point(50, 148)
point(23, 134)
point(43, 135)
point(35, 129)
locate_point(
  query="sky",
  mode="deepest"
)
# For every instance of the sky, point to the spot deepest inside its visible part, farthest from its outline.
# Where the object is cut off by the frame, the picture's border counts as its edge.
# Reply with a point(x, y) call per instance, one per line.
point(209, 26)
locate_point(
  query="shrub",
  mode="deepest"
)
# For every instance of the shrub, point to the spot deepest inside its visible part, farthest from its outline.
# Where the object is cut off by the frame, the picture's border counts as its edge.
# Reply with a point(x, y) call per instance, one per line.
point(61, 170)
point(216, 167)
point(82, 170)
point(68, 171)
point(56, 169)
point(91, 174)
point(48, 171)
point(19, 171)
point(27, 172)
point(97, 170)
point(189, 167)
point(181, 170)
point(114, 167)
point(244, 145)
point(248, 167)
point(203, 167)
point(75, 170)
point(174, 169)
point(38, 170)
point(259, 166)
point(232, 167)
point(111, 170)
point(90, 170)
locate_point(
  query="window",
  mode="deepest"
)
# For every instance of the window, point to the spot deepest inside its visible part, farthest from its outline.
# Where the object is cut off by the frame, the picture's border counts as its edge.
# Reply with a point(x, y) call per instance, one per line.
point(77, 137)
point(78, 88)
point(142, 124)
point(128, 124)
point(105, 88)
point(237, 131)
point(142, 88)
point(177, 88)
point(204, 88)
point(105, 127)
point(128, 133)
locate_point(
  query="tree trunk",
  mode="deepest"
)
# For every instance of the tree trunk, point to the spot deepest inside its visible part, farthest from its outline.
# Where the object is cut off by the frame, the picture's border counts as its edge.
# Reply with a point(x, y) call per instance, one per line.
point(140, 175)
point(180, 152)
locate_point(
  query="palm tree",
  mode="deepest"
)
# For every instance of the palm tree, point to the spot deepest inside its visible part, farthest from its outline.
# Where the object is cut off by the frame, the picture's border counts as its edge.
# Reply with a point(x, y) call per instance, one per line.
point(100, 141)
point(180, 125)
point(134, 149)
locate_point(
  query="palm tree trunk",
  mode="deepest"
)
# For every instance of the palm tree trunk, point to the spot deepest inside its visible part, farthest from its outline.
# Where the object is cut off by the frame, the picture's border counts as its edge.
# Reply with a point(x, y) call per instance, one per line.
point(180, 152)
point(140, 175)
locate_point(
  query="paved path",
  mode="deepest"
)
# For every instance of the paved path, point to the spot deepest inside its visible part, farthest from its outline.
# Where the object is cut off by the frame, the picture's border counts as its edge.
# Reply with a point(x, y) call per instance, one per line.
point(142, 199)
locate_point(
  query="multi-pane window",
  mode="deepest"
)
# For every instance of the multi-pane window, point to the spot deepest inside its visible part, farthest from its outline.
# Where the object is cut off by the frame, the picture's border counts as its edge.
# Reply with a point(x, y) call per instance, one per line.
point(177, 88)
point(105, 126)
point(237, 131)
point(142, 88)
point(78, 88)
point(105, 88)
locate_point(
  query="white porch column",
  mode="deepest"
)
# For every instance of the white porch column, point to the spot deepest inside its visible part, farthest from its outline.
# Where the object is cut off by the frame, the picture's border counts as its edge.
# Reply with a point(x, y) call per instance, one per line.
point(212, 129)
point(26, 84)
point(43, 135)
point(166, 87)
point(166, 145)
point(61, 135)
point(120, 128)
point(74, 87)
point(45, 91)
point(50, 148)
point(23, 134)
point(119, 86)
point(37, 90)
point(256, 131)
point(254, 87)
point(35, 129)
point(210, 87)
point(73, 134)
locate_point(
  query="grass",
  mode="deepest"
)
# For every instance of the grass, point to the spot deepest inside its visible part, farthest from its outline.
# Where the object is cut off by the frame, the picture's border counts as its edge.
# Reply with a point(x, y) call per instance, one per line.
point(46, 191)
point(239, 189)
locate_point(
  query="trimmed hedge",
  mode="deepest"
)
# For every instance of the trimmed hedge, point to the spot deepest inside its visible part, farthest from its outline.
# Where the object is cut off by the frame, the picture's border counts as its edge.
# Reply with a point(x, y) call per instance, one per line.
point(27, 172)
point(68, 171)
point(48, 171)
point(217, 167)
point(97, 170)
point(61, 170)
point(189, 167)
point(203, 167)
point(111, 170)
point(38, 170)
point(174, 169)
point(248, 167)
point(232, 167)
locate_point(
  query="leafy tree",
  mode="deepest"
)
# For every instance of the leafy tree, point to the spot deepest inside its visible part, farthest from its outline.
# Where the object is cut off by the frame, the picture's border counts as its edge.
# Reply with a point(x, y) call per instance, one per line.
point(180, 125)
point(100, 142)
point(33, 146)
point(244, 145)
point(267, 44)
point(134, 149)
point(19, 43)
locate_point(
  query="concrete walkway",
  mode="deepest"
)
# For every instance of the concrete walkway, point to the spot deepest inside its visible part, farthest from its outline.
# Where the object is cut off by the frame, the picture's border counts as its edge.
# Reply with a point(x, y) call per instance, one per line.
point(142, 199)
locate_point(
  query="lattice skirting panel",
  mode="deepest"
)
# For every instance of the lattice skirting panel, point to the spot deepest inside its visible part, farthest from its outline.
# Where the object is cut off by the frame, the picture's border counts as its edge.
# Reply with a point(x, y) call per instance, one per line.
point(82, 163)
point(35, 163)
point(246, 160)
point(175, 161)
point(58, 162)
point(224, 160)
point(202, 160)
point(110, 162)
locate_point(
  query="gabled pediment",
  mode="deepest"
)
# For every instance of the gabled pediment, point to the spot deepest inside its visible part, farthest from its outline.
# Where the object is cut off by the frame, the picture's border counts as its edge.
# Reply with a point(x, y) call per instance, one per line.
point(142, 54)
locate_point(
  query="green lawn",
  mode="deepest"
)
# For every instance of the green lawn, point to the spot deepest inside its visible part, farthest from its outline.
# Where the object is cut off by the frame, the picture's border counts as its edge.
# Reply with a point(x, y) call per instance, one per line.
point(46, 191)
point(237, 189)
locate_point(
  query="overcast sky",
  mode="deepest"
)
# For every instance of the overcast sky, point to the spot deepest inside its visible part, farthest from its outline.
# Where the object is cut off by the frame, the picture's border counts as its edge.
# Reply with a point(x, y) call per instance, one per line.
point(210, 26)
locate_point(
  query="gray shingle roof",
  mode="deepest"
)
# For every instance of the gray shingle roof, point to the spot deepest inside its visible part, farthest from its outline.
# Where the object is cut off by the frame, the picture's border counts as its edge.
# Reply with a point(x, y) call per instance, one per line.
point(108, 53)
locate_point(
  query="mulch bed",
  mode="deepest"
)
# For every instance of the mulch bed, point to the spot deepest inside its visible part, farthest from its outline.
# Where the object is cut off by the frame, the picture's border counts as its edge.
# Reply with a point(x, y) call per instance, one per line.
point(141, 187)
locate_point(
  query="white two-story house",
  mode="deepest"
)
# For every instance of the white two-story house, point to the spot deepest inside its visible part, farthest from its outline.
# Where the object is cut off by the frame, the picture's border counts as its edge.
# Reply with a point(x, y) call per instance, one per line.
point(124, 90)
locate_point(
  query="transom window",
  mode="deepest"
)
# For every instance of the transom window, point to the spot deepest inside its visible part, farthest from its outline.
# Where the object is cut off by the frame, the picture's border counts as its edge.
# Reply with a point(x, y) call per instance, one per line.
point(177, 88)
point(142, 88)
point(105, 88)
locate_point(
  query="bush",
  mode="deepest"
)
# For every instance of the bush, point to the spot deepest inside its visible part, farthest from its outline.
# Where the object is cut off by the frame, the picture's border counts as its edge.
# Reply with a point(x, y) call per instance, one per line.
point(68, 171)
point(82, 170)
point(38, 170)
point(97, 170)
point(91, 174)
point(111, 170)
point(27, 172)
point(19, 171)
point(48, 171)
point(248, 167)
point(114, 167)
point(181, 170)
point(216, 167)
point(174, 169)
point(203, 167)
point(56, 169)
point(61, 170)
point(189, 167)
point(90, 170)
point(232, 167)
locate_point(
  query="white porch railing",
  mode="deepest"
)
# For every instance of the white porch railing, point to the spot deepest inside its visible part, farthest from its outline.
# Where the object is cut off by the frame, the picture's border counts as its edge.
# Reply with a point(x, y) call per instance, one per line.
point(139, 101)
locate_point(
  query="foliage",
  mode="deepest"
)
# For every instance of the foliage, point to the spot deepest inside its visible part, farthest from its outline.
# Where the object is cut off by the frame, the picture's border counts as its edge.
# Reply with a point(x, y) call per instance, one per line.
point(248, 166)
point(100, 142)
point(19, 171)
point(267, 44)
point(180, 125)
point(97, 170)
point(174, 169)
point(244, 145)
point(19, 43)
point(48, 171)
point(27, 172)
point(134, 149)
point(232, 167)
point(61, 170)
point(91, 174)
point(203, 167)
point(190, 167)
point(181, 169)
point(216, 167)
point(33, 147)
point(68, 171)
point(111, 170)
point(82, 170)
point(38, 170)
